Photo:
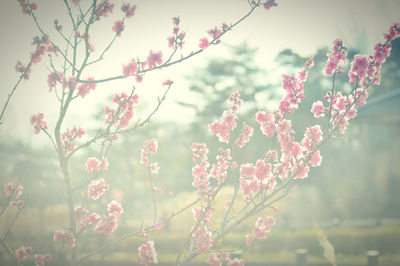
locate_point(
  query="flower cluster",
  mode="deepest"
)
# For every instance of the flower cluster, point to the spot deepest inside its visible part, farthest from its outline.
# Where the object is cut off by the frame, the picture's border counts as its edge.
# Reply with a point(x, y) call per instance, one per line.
point(154, 59)
point(21, 68)
point(202, 238)
point(103, 9)
point(85, 88)
point(338, 55)
point(147, 253)
point(176, 39)
point(22, 253)
point(118, 27)
point(11, 190)
point(215, 33)
point(27, 7)
point(219, 170)
point(149, 147)
point(228, 123)
point(94, 165)
point(270, 4)
point(38, 122)
point(128, 10)
point(69, 137)
point(199, 171)
point(107, 224)
point(263, 226)
point(130, 69)
point(41, 259)
point(245, 135)
point(218, 259)
point(97, 188)
point(66, 238)
point(84, 218)
point(124, 113)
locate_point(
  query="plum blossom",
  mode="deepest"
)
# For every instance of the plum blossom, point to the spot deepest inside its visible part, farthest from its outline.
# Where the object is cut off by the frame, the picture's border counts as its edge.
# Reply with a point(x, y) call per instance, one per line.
point(38, 122)
point(67, 239)
point(130, 69)
point(115, 208)
point(124, 113)
point(147, 253)
point(204, 43)
point(128, 10)
point(245, 135)
point(118, 27)
point(202, 239)
point(69, 137)
point(263, 226)
point(22, 253)
point(149, 147)
point(97, 188)
point(154, 59)
point(94, 165)
point(85, 88)
point(41, 259)
point(106, 224)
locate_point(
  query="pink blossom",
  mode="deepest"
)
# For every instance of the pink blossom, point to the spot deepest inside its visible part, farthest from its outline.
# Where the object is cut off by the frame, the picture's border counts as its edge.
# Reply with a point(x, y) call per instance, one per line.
point(94, 165)
point(22, 253)
point(318, 109)
point(167, 82)
point(147, 253)
point(125, 112)
point(316, 159)
point(337, 56)
point(301, 172)
point(359, 66)
point(154, 59)
point(97, 188)
point(204, 43)
point(202, 239)
point(130, 69)
point(214, 260)
point(263, 170)
point(104, 8)
point(8, 189)
point(128, 10)
point(18, 203)
point(41, 259)
point(85, 88)
point(270, 4)
point(263, 226)
point(245, 135)
point(235, 262)
point(53, 78)
point(154, 168)
point(115, 208)
point(247, 170)
point(26, 7)
point(118, 27)
point(69, 137)
point(106, 224)
point(38, 122)
point(66, 238)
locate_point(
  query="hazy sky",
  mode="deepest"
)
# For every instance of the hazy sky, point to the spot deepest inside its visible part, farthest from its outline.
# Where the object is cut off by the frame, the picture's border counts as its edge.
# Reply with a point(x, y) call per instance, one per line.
point(303, 26)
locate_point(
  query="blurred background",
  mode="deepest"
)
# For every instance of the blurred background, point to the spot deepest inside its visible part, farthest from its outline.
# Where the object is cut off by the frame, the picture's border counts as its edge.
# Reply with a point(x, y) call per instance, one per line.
point(353, 197)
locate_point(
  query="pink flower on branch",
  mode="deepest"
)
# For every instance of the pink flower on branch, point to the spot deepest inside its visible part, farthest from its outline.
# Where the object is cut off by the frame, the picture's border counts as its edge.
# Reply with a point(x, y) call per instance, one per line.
point(85, 88)
point(40, 259)
point(22, 253)
point(128, 10)
point(67, 239)
point(118, 27)
point(263, 226)
point(147, 253)
point(38, 122)
point(130, 69)
point(97, 188)
point(154, 59)
point(94, 165)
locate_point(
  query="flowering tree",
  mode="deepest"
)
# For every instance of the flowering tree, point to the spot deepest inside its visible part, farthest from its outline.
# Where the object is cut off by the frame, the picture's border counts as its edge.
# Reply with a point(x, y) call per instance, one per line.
point(257, 185)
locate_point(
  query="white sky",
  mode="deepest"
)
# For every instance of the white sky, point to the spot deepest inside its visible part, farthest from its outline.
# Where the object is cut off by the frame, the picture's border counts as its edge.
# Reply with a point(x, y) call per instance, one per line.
point(302, 26)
